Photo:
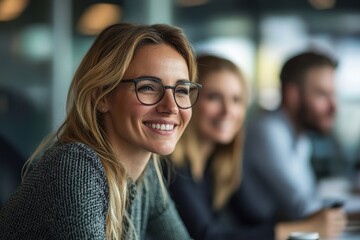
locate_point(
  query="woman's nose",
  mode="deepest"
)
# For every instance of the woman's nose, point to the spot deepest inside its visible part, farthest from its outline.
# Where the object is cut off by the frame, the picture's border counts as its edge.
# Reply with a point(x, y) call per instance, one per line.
point(167, 103)
point(225, 106)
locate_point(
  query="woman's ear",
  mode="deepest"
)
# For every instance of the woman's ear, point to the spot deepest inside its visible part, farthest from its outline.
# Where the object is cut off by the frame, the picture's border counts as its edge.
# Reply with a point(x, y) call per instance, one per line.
point(103, 105)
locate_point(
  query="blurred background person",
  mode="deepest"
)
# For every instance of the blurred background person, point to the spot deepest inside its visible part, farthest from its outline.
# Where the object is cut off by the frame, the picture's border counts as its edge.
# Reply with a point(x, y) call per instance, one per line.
point(279, 180)
point(208, 166)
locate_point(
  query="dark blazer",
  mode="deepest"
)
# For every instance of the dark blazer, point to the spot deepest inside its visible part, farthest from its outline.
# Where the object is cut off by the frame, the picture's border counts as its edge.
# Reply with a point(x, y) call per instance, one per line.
point(194, 200)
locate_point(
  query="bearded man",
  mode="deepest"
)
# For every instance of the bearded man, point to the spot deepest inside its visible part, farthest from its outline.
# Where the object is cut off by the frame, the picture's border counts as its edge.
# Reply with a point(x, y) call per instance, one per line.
point(278, 180)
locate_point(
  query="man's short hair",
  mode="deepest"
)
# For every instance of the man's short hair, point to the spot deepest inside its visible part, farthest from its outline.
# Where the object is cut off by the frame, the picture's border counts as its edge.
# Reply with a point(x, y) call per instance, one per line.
point(296, 67)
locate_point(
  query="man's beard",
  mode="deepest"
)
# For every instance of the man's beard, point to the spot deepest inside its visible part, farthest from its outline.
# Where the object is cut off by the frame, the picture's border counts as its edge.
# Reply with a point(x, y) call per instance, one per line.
point(309, 121)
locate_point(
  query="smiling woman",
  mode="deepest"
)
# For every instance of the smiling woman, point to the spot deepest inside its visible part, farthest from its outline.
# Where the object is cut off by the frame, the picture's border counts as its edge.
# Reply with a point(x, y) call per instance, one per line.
point(92, 178)
point(134, 132)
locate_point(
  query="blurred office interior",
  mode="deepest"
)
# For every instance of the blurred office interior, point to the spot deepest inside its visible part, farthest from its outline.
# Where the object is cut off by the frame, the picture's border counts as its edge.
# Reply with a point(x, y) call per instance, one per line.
point(43, 41)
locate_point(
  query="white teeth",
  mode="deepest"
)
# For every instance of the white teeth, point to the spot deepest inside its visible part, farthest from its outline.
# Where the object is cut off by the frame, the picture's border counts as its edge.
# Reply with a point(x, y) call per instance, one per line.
point(163, 127)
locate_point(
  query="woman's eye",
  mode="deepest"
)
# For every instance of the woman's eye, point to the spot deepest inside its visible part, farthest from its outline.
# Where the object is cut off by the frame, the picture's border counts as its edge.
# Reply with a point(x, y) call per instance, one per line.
point(213, 97)
point(146, 88)
point(182, 91)
point(237, 100)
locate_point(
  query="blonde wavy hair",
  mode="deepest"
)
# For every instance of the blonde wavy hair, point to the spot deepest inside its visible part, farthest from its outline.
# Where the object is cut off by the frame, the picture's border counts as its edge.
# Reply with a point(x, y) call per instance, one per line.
point(97, 76)
point(226, 164)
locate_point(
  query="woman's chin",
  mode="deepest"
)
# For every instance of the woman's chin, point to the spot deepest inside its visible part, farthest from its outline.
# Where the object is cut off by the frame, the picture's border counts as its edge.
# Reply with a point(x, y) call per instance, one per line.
point(164, 150)
point(224, 140)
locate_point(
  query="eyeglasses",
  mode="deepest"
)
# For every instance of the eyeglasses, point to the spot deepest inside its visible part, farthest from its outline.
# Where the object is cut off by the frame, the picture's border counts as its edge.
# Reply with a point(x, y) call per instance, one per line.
point(150, 91)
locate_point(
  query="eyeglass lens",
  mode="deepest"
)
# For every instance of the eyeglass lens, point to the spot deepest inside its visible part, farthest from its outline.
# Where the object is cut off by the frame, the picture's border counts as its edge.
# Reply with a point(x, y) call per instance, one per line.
point(151, 92)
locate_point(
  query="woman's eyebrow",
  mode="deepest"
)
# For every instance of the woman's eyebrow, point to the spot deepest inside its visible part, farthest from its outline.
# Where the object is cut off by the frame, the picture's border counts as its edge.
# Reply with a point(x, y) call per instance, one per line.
point(182, 80)
point(159, 79)
point(148, 76)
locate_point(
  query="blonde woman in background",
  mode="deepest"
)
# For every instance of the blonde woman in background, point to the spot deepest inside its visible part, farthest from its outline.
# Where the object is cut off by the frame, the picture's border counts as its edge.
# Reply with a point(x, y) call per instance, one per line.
point(207, 162)
point(130, 99)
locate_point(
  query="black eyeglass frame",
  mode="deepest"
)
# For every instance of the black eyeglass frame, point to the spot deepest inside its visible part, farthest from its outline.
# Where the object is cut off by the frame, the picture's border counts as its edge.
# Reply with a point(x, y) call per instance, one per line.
point(136, 80)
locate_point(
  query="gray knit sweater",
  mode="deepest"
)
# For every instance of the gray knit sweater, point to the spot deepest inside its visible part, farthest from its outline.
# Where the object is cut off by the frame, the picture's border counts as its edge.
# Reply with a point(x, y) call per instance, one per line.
point(65, 196)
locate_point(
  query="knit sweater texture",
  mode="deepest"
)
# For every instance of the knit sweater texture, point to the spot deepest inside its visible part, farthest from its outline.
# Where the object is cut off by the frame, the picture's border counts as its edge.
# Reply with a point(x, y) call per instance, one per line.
point(65, 196)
